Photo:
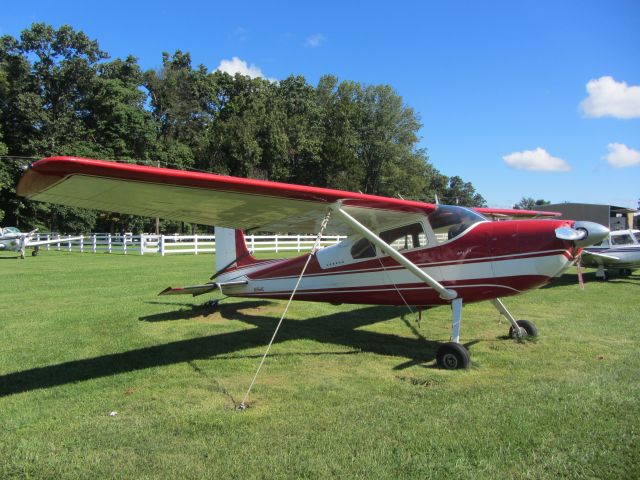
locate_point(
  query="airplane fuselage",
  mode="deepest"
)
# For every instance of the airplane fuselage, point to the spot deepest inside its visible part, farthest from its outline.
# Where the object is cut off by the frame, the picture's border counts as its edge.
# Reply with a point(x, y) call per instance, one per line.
point(488, 260)
point(620, 251)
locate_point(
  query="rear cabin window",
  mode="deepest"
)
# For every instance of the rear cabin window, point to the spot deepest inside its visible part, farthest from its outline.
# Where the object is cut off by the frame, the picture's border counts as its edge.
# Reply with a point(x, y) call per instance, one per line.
point(621, 240)
point(637, 235)
point(406, 237)
point(363, 248)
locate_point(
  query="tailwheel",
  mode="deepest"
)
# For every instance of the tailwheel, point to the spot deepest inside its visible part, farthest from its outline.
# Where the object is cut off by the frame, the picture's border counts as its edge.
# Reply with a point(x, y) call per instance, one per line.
point(529, 328)
point(452, 356)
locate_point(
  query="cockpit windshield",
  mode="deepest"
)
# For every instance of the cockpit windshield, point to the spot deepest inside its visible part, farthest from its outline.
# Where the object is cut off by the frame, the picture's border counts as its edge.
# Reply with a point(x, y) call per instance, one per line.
point(9, 230)
point(449, 221)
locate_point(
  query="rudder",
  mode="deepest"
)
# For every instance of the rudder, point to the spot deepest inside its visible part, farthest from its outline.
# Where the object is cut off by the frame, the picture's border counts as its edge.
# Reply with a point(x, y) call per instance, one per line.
point(231, 250)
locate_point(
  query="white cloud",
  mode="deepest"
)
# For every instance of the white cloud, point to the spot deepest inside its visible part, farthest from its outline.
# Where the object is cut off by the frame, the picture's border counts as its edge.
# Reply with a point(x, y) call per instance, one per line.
point(537, 160)
point(235, 65)
point(315, 40)
point(622, 156)
point(610, 98)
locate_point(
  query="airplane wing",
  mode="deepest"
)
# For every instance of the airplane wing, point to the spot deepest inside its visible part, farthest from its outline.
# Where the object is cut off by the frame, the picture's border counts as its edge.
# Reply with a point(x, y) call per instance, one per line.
point(497, 213)
point(595, 255)
point(205, 198)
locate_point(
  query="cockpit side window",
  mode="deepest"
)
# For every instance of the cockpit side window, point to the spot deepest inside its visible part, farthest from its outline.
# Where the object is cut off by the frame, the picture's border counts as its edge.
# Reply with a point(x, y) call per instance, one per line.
point(448, 221)
point(406, 237)
point(363, 248)
point(637, 235)
point(621, 240)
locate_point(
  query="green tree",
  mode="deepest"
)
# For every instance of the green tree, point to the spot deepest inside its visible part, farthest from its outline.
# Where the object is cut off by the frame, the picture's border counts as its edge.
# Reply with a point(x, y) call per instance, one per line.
point(459, 192)
point(528, 203)
point(59, 96)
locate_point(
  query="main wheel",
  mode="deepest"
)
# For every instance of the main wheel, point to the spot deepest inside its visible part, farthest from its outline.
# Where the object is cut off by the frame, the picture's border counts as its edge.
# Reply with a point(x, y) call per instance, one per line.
point(529, 328)
point(624, 272)
point(452, 356)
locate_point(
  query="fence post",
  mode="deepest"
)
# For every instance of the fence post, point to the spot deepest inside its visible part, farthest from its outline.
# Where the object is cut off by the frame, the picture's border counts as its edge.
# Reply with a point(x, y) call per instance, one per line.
point(58, 244)
point(276, 244)
point(162, 245)
point(82, 244)
point(124, 244)
point(109, 242)
point(253, 243)
point(48, 244)
point(195, 244)
point(142, 244)
point(298, 243)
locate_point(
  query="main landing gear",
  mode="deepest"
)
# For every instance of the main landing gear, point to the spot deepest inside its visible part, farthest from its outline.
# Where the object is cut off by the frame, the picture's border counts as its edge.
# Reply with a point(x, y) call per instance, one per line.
point(453, 355)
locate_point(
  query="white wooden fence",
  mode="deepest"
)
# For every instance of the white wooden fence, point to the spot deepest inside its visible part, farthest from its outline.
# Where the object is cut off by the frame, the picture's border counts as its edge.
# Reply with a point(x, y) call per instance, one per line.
point(169, 244)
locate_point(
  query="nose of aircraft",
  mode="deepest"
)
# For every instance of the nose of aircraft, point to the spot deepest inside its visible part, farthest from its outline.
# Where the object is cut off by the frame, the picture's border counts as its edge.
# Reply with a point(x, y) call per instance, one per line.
point(583, 234)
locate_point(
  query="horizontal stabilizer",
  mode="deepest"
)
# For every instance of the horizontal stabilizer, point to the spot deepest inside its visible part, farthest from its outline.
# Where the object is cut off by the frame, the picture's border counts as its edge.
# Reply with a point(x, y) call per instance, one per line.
point(196, 290)
point(190, 290)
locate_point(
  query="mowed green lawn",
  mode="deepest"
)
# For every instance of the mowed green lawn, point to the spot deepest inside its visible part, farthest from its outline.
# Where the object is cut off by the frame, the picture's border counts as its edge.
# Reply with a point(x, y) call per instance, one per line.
point(348, 391)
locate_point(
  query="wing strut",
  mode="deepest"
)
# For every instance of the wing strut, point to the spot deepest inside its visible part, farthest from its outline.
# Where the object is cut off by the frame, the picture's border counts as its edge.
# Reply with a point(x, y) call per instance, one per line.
point(445, 293)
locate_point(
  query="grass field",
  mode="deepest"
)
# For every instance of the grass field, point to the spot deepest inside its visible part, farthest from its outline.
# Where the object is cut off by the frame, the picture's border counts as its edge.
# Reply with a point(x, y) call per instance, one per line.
point(349, 391)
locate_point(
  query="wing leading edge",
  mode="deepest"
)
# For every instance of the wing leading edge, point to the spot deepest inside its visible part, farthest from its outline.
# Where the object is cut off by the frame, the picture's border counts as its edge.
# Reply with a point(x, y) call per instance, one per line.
point(204, 198)
point(506, 213)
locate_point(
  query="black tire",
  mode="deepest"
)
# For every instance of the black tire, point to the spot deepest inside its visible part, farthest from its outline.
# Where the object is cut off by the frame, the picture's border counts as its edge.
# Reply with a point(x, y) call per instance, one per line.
point(624, 272)
point(453, 356)
point(34, 253)
point(529, 328)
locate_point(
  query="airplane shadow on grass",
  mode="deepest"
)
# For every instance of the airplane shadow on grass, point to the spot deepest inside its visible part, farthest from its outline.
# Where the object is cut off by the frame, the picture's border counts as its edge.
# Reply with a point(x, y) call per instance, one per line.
point(340, 328)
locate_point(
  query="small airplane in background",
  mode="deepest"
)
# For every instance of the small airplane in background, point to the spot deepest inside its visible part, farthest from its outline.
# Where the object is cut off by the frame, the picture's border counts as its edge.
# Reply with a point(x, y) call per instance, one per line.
point(398, 252)
point(618, 254)
point(12, 239)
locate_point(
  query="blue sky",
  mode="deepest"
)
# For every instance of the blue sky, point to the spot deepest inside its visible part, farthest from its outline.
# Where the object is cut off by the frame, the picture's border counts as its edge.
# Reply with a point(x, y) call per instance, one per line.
point(499, 86)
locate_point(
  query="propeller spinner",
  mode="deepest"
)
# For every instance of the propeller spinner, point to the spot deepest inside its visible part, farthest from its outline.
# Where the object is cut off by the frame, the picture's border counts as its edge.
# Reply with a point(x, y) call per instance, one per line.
point(583, 234)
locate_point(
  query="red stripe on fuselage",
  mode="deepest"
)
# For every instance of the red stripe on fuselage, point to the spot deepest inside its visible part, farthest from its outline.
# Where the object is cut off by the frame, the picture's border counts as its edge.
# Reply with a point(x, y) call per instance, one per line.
point(417, 294)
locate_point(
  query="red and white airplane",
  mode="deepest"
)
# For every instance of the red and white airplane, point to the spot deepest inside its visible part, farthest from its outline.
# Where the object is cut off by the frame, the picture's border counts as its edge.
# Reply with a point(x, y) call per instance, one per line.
point(397, 252)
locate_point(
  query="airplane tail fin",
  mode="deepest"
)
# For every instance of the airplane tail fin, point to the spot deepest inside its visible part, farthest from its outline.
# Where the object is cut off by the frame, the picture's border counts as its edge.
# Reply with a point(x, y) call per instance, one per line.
point(231, 250)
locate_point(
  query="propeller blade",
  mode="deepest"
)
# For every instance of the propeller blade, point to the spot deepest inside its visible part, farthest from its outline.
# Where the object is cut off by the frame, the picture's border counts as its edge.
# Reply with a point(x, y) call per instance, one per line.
point(570, 234)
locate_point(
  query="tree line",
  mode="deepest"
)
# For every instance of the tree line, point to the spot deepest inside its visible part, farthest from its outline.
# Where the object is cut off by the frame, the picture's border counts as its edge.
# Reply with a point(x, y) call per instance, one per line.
point(60, 94)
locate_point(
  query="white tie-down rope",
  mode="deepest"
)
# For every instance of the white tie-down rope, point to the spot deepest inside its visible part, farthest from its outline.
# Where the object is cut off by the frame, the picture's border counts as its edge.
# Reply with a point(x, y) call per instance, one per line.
point(394, 285)
point(316, 245)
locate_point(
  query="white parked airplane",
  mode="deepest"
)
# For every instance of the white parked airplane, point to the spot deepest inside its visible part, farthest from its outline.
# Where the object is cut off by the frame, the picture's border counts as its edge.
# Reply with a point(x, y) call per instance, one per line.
point(619, 254)
point(12, 239)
